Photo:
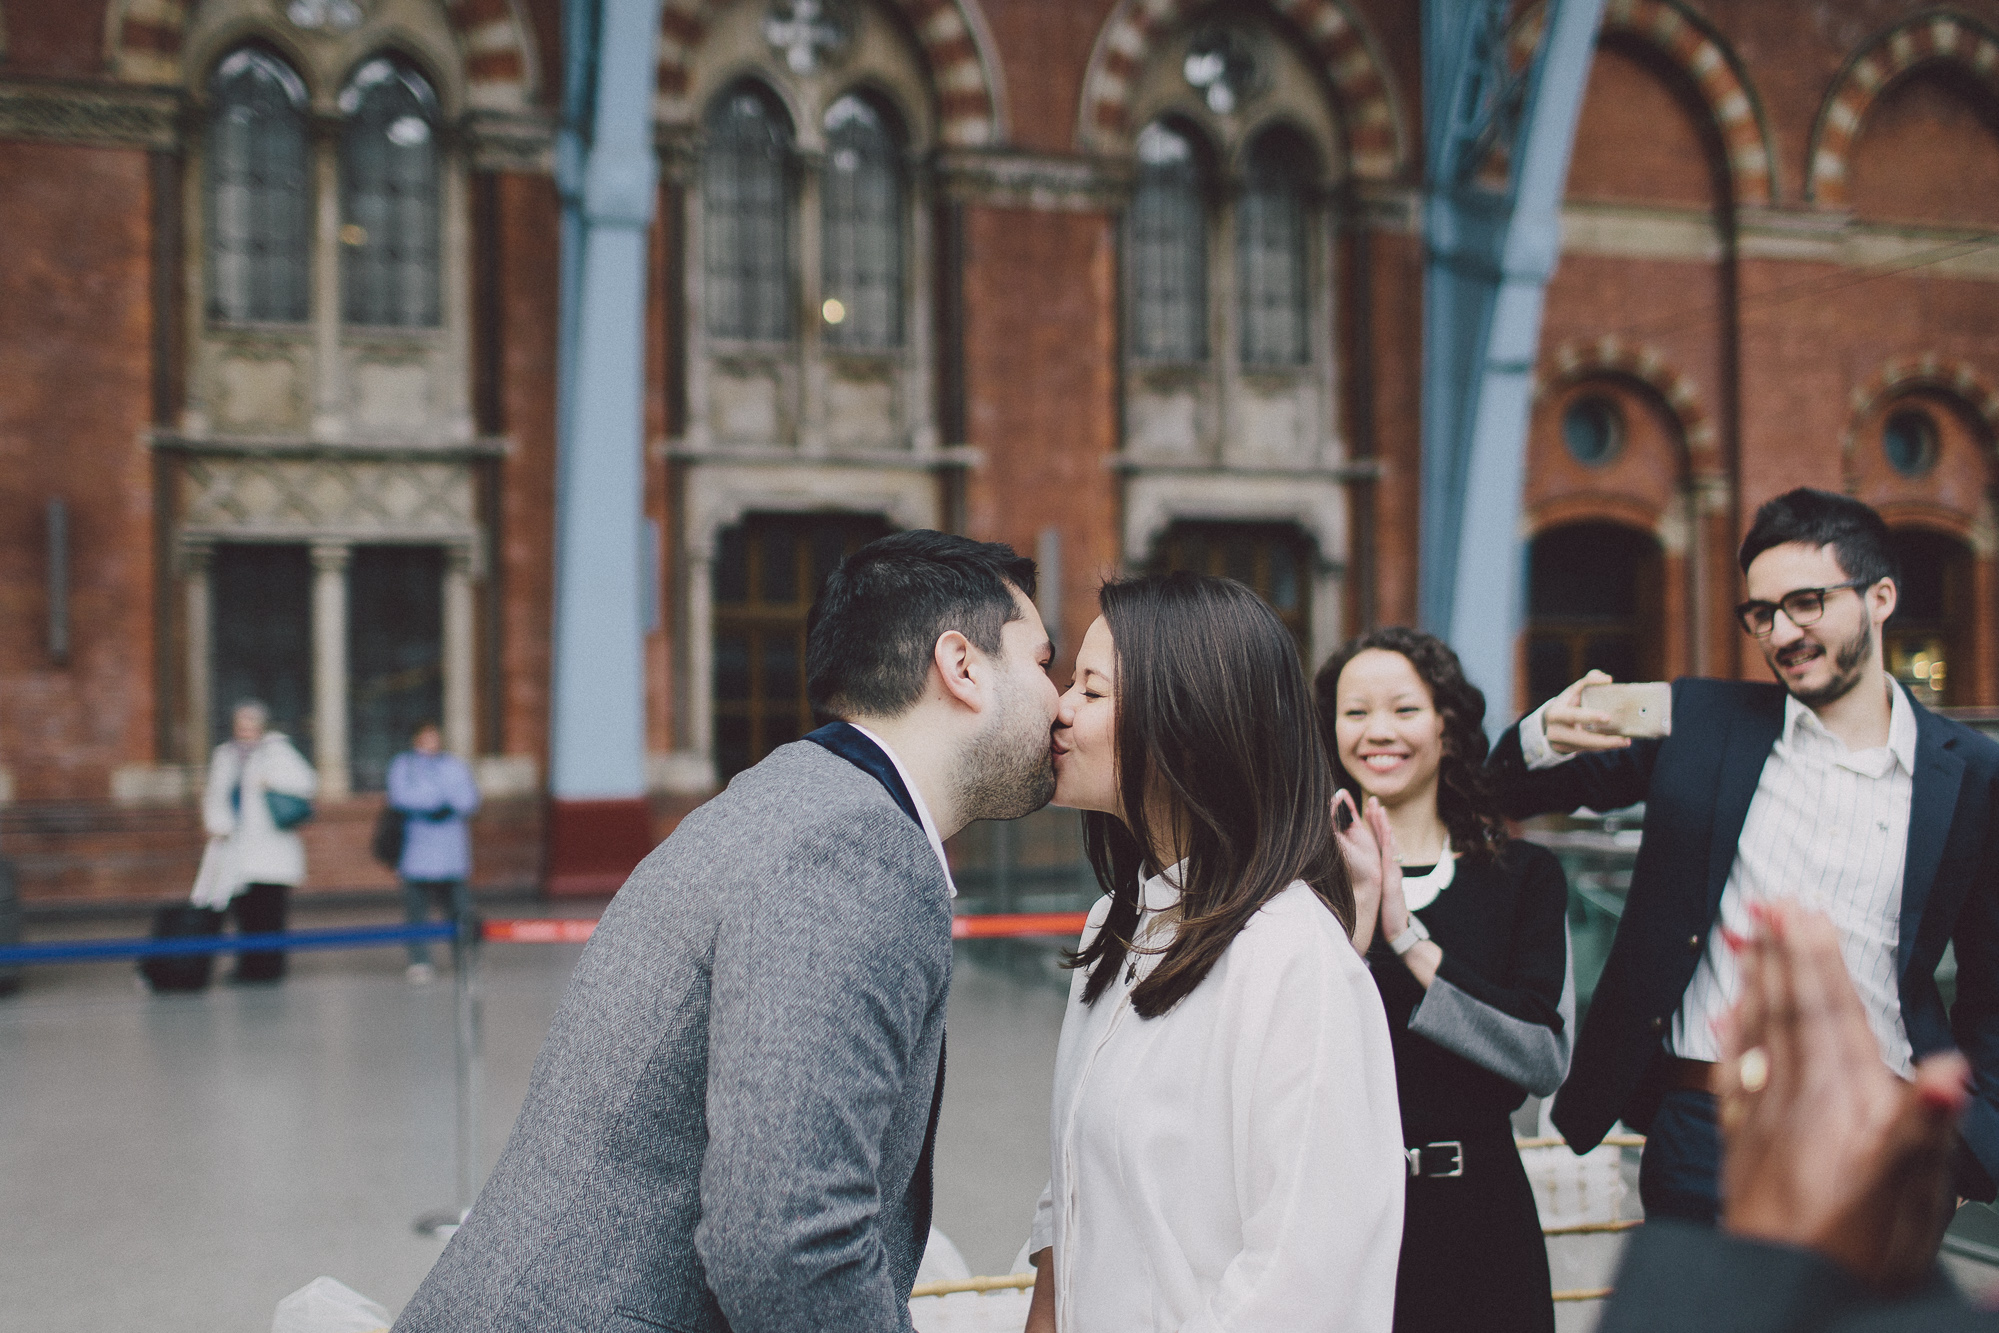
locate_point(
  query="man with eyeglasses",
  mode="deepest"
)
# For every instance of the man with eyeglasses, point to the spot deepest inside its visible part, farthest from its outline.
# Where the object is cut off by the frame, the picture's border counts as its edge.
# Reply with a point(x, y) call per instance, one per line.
point(1832, 788)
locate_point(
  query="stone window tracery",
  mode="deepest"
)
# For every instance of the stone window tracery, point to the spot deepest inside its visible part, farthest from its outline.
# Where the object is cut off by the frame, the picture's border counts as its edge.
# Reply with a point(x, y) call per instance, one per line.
point(861, 230)
point(1273, 254)
point(389, 196)
point(1167, 240)
point(747, 189)
point(258, 195)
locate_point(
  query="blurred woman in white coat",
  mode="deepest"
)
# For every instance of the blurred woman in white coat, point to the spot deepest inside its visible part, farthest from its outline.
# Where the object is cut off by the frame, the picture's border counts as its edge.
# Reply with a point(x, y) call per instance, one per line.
point(259, 790)
point(1226, 1149)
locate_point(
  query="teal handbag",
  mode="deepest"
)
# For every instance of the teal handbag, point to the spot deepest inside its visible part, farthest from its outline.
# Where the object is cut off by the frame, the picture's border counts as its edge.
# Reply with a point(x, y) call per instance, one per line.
point(288, 811)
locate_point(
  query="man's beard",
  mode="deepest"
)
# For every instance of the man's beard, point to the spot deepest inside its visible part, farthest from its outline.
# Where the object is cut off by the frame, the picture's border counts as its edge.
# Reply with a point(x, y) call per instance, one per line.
point(1849, 661)
point(1008, 770)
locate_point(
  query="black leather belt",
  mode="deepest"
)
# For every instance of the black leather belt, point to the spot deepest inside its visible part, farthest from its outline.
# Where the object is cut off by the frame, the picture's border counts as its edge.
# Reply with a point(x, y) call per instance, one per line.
point(1437, 1161)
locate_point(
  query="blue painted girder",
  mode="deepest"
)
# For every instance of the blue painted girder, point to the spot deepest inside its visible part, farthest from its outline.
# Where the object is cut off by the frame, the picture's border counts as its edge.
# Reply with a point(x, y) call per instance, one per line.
point(1492, 230)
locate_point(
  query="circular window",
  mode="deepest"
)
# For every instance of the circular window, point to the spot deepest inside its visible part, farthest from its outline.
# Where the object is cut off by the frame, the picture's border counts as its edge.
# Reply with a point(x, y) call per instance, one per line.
point(1909, 438)
point(1593, 429)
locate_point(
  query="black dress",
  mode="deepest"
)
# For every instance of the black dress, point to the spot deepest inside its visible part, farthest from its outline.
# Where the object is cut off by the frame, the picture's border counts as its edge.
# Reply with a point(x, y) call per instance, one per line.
point(1467, 1051)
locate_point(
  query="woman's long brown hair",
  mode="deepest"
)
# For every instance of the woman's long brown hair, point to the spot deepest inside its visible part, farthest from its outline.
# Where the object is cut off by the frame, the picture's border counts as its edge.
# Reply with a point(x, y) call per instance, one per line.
point(1216, 724)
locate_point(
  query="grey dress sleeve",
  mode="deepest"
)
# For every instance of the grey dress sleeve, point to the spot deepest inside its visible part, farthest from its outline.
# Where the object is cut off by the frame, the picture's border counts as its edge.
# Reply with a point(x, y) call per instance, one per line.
point(1517, 1020)
point(1519, 1050)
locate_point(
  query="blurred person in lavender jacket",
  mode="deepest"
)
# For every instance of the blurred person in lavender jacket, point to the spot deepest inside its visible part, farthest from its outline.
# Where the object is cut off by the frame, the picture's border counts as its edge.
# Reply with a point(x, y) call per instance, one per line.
point(436, 795)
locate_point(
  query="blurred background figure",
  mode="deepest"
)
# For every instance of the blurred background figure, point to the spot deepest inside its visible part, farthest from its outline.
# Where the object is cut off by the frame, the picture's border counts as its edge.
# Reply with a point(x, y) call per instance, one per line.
point(435, 794)
point(259, 790)
point(1471, 957)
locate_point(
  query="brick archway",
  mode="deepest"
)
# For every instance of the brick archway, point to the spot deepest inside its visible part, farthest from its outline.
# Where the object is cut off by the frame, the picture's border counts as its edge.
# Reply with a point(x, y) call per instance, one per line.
point(951, 33)
point(143, 41)
point(1939, 374)
point(1581, 359)
point(1347, 53)
point(1926, 39)
point(1708, 62)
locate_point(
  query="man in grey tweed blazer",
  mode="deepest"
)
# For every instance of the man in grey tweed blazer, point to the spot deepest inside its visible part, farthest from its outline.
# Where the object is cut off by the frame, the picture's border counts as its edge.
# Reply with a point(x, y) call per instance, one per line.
point(730, 1124)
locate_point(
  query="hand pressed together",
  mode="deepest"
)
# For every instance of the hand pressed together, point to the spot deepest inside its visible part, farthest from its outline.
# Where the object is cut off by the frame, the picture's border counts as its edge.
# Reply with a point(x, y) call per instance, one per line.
point(1826, 1149)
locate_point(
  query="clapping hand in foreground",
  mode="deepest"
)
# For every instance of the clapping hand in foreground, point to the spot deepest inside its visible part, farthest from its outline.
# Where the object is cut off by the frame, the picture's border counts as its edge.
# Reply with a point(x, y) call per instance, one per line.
point(1826, 1149)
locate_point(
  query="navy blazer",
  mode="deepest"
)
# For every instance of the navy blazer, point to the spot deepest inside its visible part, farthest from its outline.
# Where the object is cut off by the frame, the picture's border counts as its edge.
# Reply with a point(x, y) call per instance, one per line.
point(1697, 785)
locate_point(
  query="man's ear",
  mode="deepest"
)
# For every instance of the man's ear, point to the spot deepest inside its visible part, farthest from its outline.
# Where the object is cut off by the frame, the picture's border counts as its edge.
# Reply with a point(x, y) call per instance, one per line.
point(953, 659)
point(1881, 600)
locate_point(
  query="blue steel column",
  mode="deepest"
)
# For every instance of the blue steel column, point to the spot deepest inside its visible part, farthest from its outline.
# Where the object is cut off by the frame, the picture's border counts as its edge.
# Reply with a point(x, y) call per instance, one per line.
point(1490, 254)
point(609, 175)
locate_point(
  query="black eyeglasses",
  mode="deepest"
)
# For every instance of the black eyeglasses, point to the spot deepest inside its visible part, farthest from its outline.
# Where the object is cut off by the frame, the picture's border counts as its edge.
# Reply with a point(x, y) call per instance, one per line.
point(1802, 607)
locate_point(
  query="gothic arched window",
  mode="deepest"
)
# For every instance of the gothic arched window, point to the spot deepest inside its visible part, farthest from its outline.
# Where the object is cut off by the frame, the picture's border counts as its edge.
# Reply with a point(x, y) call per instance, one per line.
point(258, 193)
point(1168, 248)
point(746, 185)
point(861, 230)
point(1273, 257)
point(389, 196)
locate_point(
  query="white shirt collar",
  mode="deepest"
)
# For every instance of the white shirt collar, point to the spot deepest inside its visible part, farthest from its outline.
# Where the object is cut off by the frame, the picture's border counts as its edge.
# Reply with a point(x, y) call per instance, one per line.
point(916, 798)
point(1901, 725)
point(1162, 890)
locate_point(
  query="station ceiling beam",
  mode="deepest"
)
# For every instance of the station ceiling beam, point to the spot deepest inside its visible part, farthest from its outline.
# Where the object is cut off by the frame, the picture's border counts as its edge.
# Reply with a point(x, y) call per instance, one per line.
point(607, 176)
point(1497, 145)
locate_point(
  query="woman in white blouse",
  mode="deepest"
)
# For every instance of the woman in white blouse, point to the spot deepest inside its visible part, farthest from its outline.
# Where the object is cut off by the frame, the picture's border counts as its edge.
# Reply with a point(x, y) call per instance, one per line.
point(1226, 1150)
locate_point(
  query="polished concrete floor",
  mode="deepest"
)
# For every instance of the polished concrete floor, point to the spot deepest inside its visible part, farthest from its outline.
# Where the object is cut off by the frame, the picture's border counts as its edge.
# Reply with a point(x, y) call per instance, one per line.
point(180, 1163)
point(177, 1164)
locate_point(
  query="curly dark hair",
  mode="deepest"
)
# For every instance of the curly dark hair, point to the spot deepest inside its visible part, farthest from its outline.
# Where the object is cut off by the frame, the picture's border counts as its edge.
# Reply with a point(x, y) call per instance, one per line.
point(1465, 800)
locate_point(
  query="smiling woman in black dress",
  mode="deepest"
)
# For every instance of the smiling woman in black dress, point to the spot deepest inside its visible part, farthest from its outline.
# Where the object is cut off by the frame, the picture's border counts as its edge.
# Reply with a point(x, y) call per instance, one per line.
point(1469, 948)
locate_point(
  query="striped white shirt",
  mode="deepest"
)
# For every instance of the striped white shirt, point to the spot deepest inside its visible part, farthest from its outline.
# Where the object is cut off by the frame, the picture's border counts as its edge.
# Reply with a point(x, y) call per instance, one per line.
point(1827, 828)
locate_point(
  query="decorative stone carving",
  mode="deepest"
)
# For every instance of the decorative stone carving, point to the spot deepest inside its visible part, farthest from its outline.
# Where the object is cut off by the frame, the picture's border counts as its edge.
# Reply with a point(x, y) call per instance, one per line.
point(111, 117)
point(385, 499)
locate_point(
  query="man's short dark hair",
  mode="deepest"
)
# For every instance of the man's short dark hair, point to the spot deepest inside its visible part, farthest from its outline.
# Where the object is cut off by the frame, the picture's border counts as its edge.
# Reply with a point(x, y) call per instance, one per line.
point(1855, 532)
point(871, 632)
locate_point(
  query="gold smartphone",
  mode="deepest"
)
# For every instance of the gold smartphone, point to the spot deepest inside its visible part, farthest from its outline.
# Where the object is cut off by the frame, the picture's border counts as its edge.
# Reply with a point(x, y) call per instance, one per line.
point(1637, 709)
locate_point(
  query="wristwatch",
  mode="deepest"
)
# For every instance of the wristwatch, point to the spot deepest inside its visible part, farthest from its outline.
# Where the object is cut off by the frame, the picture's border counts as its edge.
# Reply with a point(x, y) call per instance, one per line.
point(1412, 935)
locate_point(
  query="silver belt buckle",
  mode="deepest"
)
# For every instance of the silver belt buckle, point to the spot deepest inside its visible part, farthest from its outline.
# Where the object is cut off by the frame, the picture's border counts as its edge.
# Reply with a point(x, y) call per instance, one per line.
point(1457, 1151)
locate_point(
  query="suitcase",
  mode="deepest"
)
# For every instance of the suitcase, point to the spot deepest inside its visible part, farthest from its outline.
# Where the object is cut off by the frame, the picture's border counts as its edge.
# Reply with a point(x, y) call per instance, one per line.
point(181, 971)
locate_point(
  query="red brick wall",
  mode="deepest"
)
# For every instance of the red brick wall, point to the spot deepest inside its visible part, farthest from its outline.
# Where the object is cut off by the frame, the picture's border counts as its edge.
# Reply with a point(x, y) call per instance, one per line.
point(1928, 152)
point(75, 328)
point(1041, 391)
point(1396, 279)
point(529, 225)
point(1044, 48)
point(63, 37)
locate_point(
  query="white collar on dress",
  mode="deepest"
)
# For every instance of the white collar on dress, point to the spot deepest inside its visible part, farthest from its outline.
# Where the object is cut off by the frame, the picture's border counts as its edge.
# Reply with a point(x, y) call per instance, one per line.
point(1162, 890)
point(916, 798)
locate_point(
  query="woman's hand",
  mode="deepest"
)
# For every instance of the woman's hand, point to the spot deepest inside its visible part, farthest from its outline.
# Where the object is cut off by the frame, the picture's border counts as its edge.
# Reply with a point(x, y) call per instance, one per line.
point(1041, 1310)
point(1362, 850)
point(1394, 906)
point(1824, 1148)
point(1425, 957)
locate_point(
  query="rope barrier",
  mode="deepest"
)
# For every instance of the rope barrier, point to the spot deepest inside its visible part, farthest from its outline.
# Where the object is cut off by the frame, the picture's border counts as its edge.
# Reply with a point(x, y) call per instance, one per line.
point(1608, 1141)
point(351, 937)
point(539, 930)
point(1013, 925)
point(1585, 1294)
point(952, 1286)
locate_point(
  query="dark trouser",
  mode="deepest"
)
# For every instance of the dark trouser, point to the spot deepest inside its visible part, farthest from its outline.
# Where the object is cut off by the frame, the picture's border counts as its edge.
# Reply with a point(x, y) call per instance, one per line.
point(450, 895)
point(1679, 1175)
point(260, 910)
